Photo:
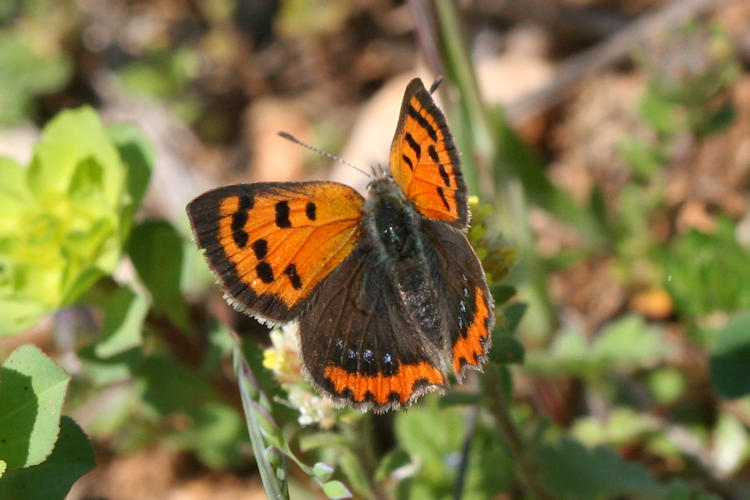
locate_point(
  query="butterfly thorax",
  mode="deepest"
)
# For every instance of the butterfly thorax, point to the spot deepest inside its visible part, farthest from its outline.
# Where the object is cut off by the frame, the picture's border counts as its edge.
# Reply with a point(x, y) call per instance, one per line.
point(394, 229)
point(392, 222)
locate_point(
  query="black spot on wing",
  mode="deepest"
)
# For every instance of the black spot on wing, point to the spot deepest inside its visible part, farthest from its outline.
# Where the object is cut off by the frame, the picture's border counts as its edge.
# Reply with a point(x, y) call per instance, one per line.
point(239, 219)
point(414, 145)
point(442, 197)
point(310, 209)
point(444, 175)
point(265, 273)
point(291, 271)
point(433, 153)
point(423, 123)
point(260, 247)
point(407, 160)
point(239, 235)
point(282, 214)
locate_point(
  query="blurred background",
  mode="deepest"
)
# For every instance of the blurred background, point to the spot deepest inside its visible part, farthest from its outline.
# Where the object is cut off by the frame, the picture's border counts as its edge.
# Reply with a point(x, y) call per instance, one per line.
point(608, 142)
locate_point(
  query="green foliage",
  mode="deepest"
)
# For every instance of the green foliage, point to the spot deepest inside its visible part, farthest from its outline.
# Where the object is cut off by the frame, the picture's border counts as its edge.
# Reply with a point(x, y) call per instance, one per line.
point(67, 215)
point(428, 436)
point(506, 348)
point(41, 455)
point(159, 254)
point(690, 67)
point(624, 344)
point(33, 388)
point(71, 458)
point(573, 472)
point(696, 267)
point(32, 61)
point(730, 369)
point(122, 328)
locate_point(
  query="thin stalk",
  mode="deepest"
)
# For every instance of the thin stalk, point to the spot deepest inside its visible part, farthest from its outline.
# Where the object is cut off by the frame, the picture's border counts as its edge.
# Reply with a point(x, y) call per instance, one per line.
point(524, 469)
point(361, 435)
point(506, 191)
point(471, 427)
point(274, 488)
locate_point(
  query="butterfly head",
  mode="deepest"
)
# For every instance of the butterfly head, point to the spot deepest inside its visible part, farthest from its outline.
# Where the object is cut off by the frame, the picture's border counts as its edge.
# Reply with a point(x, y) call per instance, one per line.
point(382, 184)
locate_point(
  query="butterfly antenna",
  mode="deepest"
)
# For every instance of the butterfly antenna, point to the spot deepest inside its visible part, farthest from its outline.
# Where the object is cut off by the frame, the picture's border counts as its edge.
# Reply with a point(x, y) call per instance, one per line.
point(290, 137)
point(436, 84)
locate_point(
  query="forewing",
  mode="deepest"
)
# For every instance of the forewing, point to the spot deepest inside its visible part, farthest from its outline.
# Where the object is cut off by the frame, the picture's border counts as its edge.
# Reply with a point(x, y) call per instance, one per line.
point(466, 297)
point(271, 244)
point(358, 345)
point(424, 161)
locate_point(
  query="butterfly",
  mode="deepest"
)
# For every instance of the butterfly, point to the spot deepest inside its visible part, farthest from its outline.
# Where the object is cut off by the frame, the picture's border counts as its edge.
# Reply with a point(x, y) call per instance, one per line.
point(387, 291)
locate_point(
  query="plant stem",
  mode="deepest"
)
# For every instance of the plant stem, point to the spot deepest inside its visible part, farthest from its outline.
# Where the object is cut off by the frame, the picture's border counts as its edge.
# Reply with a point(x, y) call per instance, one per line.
point(524, 469)
point(248, 385)
point(463, 466)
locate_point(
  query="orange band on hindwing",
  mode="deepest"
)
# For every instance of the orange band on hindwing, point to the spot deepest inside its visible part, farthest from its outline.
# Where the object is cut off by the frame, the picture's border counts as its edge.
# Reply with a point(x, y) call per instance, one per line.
point(470, 346)
point(383, 389)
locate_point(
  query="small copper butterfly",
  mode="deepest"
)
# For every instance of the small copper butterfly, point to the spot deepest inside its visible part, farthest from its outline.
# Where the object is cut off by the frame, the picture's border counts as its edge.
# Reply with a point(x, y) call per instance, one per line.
point(387, 290)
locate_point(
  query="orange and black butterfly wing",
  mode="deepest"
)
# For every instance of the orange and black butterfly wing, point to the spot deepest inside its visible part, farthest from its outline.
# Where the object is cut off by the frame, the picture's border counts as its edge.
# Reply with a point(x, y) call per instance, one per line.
point(424, 161)
point(272, 244)
point(465, 294)
point(358, 345)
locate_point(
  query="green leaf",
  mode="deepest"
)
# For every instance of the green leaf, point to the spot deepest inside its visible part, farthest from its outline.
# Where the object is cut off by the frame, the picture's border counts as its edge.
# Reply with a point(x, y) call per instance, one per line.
point(667, 384)
point(391, 462)
point(433, 439)
point(502, 293)
point(322, 471)
point(33, 389)
point(730, 358)
point(621, 426)
point(625, 343)
point(336, 489)
point(730, 444)
point(721, 119)
point(459, 398)
point(659, 112)
point(644, 159)
point(169, 386)
point(628, 341)
point(678, 489)
point(139, 156)
point(70, 211)
point(71, 458)
point(14, 195)
point(352, 468)
point(124, 313)
point(158, 254)
point(572, 471)
point(32, 65)
point(75, 156)
point(506, 349)
point(511, 317)
point(310, 442)
point(696, 267)
point(115, 368)
point(216, 436)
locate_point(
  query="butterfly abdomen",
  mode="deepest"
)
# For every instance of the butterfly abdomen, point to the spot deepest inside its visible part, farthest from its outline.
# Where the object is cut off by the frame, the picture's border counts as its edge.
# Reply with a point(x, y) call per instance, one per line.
point(394, 227)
